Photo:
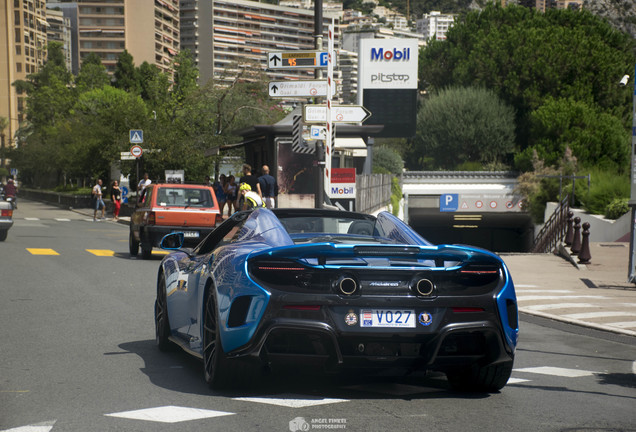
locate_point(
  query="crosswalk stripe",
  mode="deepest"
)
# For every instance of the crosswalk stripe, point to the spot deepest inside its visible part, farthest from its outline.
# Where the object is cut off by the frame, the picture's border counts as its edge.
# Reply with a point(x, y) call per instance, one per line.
point(169, 414)
point(533, 291)
point(627, 324)
point(558, 306)
point(557, 371)
point(532, 298)
point(517, 380)
point(291, 402)
point(589, 315)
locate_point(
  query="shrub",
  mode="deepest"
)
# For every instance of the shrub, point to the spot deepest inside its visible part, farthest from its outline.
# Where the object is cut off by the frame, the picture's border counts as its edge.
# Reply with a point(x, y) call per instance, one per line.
point(617, 208)
point(605, 187)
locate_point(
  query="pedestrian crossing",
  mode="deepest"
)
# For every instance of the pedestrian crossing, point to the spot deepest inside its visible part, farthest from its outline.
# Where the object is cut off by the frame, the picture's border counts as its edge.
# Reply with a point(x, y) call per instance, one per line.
point(604, 311)
point(173, 414)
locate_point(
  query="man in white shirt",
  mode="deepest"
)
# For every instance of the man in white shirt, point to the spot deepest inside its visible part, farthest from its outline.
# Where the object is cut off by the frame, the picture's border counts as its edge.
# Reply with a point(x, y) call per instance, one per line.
point(97, 200)
point(143, 183)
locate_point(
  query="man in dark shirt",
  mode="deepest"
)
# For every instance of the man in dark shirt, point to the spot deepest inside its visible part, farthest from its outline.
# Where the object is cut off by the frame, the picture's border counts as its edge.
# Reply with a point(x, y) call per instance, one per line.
point(268, 187)
point(249, 178)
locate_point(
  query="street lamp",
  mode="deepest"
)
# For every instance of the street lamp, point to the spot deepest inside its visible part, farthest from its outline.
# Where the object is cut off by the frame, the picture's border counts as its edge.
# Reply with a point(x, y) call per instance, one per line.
point(632, 197)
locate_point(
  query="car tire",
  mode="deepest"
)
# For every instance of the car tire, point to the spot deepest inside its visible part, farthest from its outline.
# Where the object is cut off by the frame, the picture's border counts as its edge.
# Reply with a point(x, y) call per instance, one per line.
point(133, 245)
point(219, 371)
point(490, 378)
point(162, 324)
point(3, 235)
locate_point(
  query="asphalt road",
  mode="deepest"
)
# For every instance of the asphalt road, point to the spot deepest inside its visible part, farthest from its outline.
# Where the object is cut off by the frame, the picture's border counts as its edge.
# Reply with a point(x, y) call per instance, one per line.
point(78, 354)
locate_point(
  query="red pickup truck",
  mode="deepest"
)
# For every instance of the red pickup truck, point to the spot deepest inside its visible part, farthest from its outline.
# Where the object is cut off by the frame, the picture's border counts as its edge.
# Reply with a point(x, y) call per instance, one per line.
point(164, 208)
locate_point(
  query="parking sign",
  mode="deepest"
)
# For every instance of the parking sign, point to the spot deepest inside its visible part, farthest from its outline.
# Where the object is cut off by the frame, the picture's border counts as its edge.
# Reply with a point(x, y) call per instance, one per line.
point(448, 202)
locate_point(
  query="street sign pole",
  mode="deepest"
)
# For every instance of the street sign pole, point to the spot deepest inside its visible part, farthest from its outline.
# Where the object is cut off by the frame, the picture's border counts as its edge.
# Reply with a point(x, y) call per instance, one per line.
point(319, 198)
point(329, 138)
point(632, 200)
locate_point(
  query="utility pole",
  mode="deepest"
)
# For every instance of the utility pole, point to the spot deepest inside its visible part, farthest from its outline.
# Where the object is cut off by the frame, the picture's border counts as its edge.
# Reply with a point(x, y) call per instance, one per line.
point(320, 193)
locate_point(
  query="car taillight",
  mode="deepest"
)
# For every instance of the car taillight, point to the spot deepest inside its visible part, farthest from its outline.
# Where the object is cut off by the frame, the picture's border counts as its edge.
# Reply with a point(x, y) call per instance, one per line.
point(6, 213)
point(150, 218)
point(282, 274)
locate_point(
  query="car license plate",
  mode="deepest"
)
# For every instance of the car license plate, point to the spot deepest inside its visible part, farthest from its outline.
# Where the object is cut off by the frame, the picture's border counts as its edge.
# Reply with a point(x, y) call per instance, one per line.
point(402, 318)
point(191, 234)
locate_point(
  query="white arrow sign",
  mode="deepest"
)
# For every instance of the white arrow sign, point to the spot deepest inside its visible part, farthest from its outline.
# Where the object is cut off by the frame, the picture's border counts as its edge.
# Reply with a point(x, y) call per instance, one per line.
point(297, 60)
point(339, 113)
point(300, 88)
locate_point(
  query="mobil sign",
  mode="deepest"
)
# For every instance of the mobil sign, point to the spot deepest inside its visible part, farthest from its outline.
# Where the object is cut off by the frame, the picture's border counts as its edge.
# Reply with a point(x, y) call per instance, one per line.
point(388, 63)
point(343, 183)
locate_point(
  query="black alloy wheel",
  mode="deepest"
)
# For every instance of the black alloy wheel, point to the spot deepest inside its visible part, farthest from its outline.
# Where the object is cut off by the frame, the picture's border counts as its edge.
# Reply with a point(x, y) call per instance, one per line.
point(212, 351)
point(133, 244)
point(162, 324)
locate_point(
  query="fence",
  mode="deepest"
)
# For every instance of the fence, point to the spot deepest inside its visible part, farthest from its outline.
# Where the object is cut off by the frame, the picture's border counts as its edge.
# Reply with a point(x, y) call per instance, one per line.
point(374, 192)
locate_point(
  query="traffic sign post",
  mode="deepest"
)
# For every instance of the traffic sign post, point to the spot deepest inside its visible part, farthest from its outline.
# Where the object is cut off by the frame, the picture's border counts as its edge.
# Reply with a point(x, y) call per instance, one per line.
point(339, 113)
point(299, 88)
point(297, 59)
point(136, 136)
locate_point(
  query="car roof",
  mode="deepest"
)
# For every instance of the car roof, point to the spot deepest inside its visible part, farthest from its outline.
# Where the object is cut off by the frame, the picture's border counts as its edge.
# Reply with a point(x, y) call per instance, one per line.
point(180, 185)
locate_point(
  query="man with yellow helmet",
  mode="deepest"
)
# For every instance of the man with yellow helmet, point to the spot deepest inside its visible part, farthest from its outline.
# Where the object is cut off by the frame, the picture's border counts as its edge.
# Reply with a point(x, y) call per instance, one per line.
point(251, 199)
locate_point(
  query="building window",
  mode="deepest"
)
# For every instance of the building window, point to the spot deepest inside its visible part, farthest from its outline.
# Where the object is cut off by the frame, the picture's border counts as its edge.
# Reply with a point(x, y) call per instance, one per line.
point(16, 18)
point(18, 35)
point(18, 50)
point(18, 67)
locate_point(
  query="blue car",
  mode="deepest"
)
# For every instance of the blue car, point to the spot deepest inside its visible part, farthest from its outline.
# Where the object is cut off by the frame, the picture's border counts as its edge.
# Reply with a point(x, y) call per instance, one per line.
point(335, 290)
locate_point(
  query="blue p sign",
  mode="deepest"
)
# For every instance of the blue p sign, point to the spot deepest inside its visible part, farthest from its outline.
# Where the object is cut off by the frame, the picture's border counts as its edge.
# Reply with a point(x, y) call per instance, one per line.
point(448, 202)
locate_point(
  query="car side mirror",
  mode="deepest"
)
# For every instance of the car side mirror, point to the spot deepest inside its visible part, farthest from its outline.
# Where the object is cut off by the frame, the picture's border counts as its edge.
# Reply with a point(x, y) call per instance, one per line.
point(172, 241)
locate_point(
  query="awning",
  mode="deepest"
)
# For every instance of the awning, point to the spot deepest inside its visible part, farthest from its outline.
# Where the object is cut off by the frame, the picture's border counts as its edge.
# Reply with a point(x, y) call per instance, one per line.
point(43, 22)
point(357, 146)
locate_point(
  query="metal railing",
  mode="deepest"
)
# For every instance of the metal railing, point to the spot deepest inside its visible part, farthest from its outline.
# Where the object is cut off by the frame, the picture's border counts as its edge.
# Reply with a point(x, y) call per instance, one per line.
point(554, 229)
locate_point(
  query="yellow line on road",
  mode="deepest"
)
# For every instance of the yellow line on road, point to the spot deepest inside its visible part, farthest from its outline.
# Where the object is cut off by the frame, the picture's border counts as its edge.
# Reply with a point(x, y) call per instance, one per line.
point(101, 252)
point(43, 251)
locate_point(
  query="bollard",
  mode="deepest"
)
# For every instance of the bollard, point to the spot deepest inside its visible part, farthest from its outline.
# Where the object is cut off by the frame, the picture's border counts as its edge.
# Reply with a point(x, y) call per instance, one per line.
point(584, 255)
point(569, 235)
point(576, 241)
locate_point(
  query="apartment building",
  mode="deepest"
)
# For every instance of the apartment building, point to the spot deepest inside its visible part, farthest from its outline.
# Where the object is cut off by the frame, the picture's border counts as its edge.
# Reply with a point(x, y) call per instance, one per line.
point(23, 38)
point(543, 5)
point(148, 29)
point(243, 31)
point(435, 25)
point(59, 30)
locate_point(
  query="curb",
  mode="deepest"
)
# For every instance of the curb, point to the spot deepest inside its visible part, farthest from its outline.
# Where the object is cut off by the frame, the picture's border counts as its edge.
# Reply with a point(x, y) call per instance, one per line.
point(578, 323)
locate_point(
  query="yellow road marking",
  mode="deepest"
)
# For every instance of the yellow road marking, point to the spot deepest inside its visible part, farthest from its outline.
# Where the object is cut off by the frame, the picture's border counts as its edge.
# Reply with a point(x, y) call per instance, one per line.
point(43, 251)
point(161, 252)
point(101, 252)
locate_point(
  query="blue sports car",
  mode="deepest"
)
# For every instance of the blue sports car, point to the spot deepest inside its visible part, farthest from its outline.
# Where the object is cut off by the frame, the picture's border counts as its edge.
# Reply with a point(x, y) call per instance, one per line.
point(336, 290)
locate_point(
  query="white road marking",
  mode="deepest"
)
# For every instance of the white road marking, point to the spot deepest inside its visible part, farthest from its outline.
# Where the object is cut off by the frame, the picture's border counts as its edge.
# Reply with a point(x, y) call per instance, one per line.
point(530, 297)
point(634, 368)
point(556, 371)
point(37, 427)
point(31, 219)
point(589, 315)
point(626, 324)
point(525, 286)
point(517, 380)
point(291, 401)
point(559, 306)
point(169, 414)
point(62, 219)
point(533, 291)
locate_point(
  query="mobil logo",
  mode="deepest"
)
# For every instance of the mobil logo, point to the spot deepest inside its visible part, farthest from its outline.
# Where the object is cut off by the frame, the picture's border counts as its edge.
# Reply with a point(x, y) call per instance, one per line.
point(395, 54)
point(342, 190)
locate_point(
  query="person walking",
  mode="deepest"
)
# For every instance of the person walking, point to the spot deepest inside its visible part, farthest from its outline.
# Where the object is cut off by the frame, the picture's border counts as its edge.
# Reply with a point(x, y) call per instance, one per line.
point(219, 191)
point(115, 197)
point(230, 195)
point(98, 200)
point(268, 187)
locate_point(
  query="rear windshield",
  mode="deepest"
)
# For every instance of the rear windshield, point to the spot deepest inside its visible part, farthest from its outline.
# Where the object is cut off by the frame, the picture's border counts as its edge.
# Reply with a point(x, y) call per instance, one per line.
point(182, 197)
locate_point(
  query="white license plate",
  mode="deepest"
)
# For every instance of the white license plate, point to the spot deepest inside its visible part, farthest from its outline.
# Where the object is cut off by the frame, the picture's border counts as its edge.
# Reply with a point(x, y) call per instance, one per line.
point(402, 318)
point(191, 234)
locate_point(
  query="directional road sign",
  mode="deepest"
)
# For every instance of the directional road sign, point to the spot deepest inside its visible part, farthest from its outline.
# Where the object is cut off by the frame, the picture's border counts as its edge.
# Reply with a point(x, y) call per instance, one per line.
point(136, 136)
point(299, 88)
point(297, 59)
point(339, 113)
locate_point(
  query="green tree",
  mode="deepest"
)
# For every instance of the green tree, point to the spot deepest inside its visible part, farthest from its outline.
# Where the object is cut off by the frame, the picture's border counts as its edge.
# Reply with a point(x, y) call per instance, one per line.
point(461, 125)
point(92, 74)
point(126, 76)
point(527, 57)
point(387, 161)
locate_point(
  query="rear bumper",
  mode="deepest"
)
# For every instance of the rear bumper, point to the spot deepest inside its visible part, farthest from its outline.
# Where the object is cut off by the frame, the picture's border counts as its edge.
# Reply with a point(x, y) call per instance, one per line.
point(152, 234)
point(458, 340)
point(5, 224)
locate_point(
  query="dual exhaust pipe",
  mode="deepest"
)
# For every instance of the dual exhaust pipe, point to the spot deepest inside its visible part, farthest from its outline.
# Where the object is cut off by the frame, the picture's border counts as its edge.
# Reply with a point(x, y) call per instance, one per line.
point(348, 285)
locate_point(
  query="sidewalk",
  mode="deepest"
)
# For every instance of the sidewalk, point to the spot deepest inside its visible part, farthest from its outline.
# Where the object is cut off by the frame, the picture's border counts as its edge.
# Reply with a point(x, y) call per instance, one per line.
point(595, 295)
